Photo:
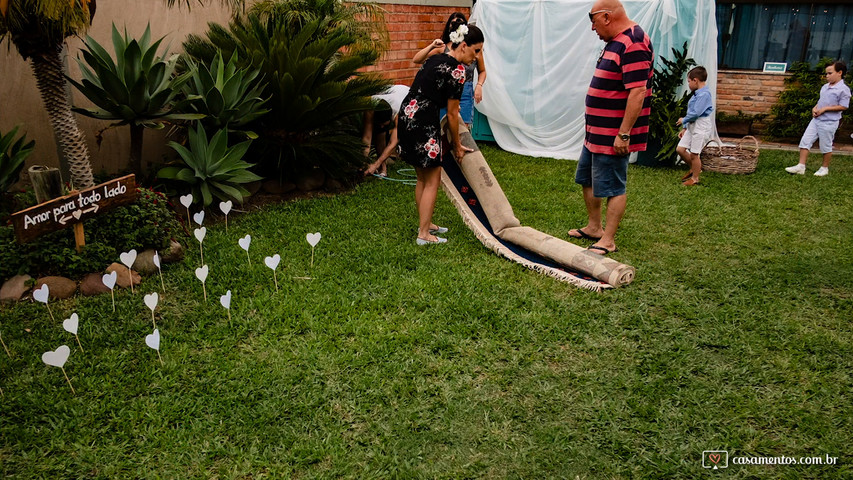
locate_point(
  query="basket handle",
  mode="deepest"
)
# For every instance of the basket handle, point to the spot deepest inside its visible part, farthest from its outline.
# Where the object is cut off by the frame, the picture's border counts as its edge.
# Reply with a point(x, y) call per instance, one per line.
point(740, 142)
point(719, 147)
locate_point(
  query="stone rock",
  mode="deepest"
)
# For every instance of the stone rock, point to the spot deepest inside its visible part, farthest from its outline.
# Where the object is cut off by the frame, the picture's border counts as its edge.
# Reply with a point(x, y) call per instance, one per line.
point(144, 263)
point(253, 187)
point(93, 284)
point(333, 186)
point(60, 287)
point(122, 279)
point(14, 288)
point(175, 253)
point(310, 180)
point(278, 188)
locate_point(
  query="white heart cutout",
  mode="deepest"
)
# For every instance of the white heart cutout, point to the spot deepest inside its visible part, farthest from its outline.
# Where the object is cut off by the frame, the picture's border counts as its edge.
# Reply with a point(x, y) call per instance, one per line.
point(272, 261)
point(187, 200)
point(77, 214)
point(58, 357)
point(313, 239)
point(70, 324)
point(156, 259)
point(151, 300)
point(128, 258)
point(225, 300)
point(109, 279)
point(201, 273)
point(41, 294)
point(245, 242)
point(226, 207)
point(200, 233)
point(199, 217)
point(153, 340)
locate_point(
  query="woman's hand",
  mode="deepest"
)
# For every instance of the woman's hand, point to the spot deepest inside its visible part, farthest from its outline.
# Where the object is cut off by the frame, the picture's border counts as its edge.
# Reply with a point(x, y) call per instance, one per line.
point(459, 151)
point(437, 43)
point(478, 93)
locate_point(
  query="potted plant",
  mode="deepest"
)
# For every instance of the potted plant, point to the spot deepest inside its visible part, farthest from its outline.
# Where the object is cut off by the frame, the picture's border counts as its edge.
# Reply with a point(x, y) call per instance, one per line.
point(667, 107)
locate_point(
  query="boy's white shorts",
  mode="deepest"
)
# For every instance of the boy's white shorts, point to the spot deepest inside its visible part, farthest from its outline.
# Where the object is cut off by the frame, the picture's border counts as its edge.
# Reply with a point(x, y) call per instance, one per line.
point(697, 135)
point(817, 130)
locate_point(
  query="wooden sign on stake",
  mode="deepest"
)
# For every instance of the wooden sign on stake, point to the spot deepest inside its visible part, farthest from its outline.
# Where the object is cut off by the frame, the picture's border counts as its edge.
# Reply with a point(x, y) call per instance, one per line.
point(72, 209)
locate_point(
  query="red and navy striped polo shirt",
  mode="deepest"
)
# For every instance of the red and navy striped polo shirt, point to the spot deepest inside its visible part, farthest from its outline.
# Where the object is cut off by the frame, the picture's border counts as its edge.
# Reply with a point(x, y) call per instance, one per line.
point(625, 63)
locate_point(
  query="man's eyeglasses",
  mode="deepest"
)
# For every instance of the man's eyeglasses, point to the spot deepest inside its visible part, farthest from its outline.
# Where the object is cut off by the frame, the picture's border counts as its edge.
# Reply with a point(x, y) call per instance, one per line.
point(593, 14)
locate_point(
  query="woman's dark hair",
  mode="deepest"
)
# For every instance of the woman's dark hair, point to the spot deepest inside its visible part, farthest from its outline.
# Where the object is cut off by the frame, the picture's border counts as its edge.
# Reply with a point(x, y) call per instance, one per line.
point(453, 21)
point(473, 37)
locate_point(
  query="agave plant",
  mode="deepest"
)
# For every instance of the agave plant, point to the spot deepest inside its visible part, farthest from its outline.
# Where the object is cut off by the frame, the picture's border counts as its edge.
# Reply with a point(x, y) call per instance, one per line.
point(12, 157)
point(228, 95)
point(137, 89)
point(212, 169)
point(314, 82)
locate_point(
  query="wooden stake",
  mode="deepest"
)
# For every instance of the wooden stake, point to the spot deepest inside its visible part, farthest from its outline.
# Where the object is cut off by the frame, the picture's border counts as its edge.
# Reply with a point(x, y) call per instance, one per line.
point(312, 257)
point(78, 343)
point(276, 280)
point(204, 289)
point(248, 258)
point(79, 236)
point(153, 320)
point(161, 358)
point(5, 347)
point(112, 294)
point(163, 285)
point(130, 276)
point(49, 311)
point(69, 380)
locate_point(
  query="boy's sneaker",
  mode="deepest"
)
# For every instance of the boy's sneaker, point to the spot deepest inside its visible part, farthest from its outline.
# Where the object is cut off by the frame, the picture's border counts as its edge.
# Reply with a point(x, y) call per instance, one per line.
point(821, 172)
point(798, 169)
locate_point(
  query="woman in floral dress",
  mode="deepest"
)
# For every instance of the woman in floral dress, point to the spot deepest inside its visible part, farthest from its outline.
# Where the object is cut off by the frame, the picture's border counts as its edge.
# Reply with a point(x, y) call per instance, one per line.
point(437, 85)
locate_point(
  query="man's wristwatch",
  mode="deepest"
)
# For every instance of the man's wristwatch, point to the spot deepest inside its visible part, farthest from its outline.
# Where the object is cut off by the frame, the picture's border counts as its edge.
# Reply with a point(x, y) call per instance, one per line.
point(625, 137)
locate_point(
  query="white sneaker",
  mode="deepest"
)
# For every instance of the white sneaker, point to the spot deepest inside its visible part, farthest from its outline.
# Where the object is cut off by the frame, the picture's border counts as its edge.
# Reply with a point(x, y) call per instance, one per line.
point(798, 169)
point(821, 172)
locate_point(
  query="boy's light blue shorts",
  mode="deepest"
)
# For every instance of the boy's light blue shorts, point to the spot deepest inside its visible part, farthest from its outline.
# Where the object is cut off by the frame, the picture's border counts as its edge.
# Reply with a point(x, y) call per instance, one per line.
point(818, 130)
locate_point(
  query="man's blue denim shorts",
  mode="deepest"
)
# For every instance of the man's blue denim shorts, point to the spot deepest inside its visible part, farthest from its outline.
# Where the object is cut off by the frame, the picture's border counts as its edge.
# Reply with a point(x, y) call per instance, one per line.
point(606, 174)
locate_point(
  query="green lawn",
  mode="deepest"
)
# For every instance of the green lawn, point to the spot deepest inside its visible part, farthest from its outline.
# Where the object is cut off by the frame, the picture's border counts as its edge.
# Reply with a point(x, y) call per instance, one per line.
point(398, 361)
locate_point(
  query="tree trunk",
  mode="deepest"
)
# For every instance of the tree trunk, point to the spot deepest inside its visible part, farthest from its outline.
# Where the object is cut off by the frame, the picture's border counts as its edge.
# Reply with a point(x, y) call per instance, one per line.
point(136, 132)
point(47, 183)
point(51, 84)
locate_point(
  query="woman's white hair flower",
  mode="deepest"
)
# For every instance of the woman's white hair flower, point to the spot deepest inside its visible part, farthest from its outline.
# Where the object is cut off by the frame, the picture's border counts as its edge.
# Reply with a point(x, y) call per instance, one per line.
point(459, 35)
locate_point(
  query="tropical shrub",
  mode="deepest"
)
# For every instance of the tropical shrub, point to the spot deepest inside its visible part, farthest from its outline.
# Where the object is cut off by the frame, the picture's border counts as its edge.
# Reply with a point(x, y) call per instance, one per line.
point(147, 223)
point(314, 84)
point(229, 96)
point(667, 105)
point(12, 157)
point(213, 169)
point(137, 89)
point(793, 111)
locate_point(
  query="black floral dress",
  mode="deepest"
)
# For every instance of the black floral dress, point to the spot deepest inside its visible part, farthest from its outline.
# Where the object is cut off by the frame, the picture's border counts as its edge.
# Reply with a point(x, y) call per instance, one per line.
point(418, 126)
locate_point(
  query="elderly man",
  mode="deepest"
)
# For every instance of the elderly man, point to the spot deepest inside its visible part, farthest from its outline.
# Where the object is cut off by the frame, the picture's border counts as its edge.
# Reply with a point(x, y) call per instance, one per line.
point(617, 120)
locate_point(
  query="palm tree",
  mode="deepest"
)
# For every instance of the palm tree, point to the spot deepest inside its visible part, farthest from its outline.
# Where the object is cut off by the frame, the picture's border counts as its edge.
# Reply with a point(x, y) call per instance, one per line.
point(38, 29)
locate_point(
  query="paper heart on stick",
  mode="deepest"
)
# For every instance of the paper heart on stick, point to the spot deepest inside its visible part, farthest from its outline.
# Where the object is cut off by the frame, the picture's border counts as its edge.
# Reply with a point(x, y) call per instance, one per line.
point(244, 242)
point(109, 279)
point(153, 340)
point(156, 259)
point(226, 206)
point(41, 294)
point(272, 261)
point(58, 357)
point(187, 200)
point(313, 239)
point(225, 300)
point(199, 217)
point(201, 273)
point(151, 300)
point(128, 258)
point(200, 233)
point(70, 324)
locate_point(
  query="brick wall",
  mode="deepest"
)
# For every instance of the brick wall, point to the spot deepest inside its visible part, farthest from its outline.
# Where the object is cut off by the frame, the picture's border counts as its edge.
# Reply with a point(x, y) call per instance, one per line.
point(750, 92)
point(411, 28)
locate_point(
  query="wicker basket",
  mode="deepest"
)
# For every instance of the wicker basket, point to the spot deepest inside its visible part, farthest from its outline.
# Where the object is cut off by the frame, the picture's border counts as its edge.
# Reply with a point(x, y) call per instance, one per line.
point(736, 159)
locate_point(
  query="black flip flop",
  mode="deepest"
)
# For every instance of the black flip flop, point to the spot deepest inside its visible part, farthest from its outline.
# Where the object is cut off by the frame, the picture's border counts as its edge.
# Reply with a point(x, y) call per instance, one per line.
point(584, 235)
point(604, 251)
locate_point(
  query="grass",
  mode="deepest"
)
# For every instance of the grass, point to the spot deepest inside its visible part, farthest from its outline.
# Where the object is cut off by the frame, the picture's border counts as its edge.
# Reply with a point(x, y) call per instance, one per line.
point(398, 361)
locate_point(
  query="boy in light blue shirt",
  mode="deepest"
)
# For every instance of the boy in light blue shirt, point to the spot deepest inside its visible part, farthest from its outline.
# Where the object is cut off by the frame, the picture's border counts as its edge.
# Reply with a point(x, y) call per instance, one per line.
point(698, 126)
point(834, 99)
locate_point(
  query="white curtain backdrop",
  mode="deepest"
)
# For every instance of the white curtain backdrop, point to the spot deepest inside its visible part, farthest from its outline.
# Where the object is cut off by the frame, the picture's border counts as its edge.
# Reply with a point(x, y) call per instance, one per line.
point(541, 54)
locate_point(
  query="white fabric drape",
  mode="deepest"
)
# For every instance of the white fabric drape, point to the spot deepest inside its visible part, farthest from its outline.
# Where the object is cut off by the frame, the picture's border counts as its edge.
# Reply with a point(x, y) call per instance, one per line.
point(540, 56)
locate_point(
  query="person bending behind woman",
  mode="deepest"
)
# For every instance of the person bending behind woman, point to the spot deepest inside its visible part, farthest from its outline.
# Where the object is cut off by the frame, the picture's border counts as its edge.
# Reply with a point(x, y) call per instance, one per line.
point(437, 85)
point(471, 92)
